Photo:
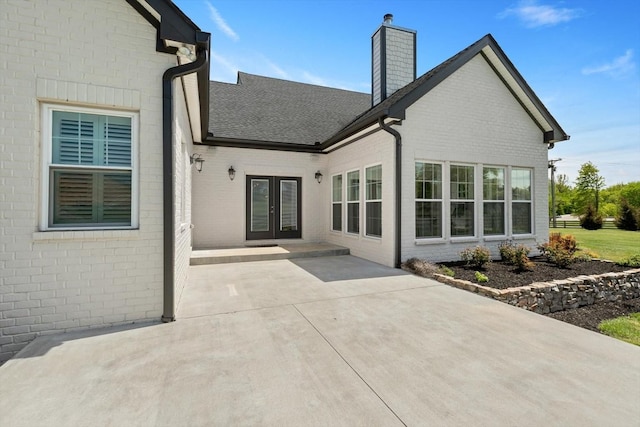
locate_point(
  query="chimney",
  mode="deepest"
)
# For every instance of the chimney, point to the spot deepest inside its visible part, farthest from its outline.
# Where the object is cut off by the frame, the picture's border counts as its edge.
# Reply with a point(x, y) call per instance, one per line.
point(393, 61)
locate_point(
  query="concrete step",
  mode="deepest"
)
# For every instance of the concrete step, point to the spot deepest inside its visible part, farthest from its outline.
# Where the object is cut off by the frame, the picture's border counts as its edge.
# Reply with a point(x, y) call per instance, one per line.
point(265, 253)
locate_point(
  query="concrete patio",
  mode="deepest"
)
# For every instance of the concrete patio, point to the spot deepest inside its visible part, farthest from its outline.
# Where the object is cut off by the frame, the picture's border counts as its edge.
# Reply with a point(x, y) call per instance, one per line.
point(326, 342)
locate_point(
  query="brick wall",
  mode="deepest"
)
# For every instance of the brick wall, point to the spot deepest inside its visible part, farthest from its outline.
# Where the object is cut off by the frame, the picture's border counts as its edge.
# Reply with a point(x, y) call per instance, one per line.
point(183, 173)
point(55, 281)
point(470, 117)
point(378, 148)
point(219, 203)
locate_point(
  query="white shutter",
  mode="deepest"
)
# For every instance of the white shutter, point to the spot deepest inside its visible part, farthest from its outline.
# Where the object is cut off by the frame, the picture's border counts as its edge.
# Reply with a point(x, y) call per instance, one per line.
point(288, 205)
point(117, 143)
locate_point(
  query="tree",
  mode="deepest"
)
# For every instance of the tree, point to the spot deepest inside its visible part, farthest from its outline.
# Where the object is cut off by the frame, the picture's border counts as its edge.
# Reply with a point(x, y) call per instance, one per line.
point(564, 195)
point(591, 220)
point(626, 218)
point(589, 183)
point(631, 192)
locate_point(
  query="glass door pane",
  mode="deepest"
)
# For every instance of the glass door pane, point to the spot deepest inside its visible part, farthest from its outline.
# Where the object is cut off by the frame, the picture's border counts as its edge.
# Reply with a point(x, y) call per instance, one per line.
point(260, 208)
point(288, 205)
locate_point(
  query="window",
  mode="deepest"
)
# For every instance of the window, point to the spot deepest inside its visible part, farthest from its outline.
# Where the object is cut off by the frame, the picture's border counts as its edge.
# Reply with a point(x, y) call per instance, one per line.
point(353, 202)
point(462, 200)
point(373, 201)
point(493, 201)
point(521, 201)
point(88, 176)
point(428, 200)
point(336, 203)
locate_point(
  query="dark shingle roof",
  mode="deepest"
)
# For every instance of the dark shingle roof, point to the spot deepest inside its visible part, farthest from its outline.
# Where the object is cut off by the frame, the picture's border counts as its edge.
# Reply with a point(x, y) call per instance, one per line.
point(267, 109)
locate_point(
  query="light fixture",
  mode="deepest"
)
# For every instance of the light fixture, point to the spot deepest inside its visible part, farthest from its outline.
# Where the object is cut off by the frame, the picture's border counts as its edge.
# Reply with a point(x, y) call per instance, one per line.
point(232, 173)
point(318, 177)
point(186, 52)
point(198, 160)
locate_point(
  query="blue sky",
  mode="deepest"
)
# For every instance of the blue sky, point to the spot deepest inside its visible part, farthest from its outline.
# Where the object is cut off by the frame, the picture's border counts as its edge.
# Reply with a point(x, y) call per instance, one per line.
point(582, 58)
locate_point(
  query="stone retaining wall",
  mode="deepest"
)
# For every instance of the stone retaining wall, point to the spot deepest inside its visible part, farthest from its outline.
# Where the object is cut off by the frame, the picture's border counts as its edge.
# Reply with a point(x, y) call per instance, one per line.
point(559, 295)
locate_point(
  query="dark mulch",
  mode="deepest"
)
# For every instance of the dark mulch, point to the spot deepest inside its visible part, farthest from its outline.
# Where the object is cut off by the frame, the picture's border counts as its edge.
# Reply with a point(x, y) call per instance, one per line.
point(590, 316)
point(502, 275)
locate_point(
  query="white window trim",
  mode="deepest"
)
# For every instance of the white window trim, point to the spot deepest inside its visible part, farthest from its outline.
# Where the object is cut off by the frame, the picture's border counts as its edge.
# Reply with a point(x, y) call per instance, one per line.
point(46, 115)
point(364, 219)
point(530, 201)
point(478, 205)
point(341, 202)
point(443, 210)
point(476, 233)
point(347, 202)
point(506, 217)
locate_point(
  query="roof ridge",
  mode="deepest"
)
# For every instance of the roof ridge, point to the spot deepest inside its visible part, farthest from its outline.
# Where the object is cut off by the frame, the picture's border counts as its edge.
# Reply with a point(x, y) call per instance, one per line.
point(298, 83)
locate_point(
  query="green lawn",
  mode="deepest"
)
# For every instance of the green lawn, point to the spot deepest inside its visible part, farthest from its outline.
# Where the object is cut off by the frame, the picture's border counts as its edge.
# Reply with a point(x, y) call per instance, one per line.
point(626, 328)
point(611, 244)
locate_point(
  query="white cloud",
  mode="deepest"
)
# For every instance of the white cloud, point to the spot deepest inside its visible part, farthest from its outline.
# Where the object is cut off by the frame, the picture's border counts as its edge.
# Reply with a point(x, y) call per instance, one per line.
point(222, 69)
point(314, 80)
point(221, 23)
point(620, 66)
point(279, 72)
point(535, 15)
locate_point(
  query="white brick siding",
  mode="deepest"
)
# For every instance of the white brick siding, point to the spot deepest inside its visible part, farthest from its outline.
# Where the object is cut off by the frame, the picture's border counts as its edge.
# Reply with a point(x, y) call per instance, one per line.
point(470, 117)
point(378, 148)
point(95, 54)
point(219, 203)
point(183, 170)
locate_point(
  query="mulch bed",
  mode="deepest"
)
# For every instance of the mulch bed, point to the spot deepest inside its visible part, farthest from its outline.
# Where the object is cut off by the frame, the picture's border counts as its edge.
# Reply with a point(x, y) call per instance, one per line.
point(502, 276)
point(590, 316)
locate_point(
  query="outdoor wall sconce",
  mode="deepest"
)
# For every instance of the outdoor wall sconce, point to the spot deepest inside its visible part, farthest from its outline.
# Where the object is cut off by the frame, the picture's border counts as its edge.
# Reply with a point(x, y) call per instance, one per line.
point(232, 173)
point(318, 177)
point(198, 160)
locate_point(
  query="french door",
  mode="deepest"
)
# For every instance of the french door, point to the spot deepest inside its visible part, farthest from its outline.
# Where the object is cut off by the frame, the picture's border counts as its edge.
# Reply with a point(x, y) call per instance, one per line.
point(273, 207)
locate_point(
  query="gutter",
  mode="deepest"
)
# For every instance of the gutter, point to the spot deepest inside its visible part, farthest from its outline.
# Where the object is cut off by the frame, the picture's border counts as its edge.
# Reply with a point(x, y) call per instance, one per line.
point(260, 145)
point(398, 137)
point(201, 63)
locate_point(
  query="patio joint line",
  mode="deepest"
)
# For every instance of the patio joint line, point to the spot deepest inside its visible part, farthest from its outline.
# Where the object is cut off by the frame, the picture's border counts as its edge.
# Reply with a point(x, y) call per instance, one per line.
point(349, 365)
point(178, 317)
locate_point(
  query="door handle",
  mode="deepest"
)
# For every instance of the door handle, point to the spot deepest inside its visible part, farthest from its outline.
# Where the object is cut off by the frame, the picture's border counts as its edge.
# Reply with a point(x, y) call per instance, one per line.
point(272, 210)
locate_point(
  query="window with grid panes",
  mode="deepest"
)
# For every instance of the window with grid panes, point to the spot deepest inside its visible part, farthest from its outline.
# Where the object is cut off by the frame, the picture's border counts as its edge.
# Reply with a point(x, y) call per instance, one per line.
point(428, 200)
point(90, 169)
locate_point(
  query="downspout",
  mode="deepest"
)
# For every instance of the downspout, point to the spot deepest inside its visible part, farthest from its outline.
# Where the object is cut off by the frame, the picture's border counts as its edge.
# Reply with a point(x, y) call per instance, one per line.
point(168, 313)
point(398, 137)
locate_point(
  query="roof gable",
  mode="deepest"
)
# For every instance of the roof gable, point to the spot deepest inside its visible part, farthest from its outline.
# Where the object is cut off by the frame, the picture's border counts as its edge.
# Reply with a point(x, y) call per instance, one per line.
point(396, 104)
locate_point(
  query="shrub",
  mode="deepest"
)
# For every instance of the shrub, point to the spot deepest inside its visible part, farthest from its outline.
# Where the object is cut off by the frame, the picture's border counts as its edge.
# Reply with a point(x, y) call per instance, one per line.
point(517, 255)
point(591, 220)
point(560, 250)
point(477, 257)
point(631, 261)
point(420, 267)
point(626, 218)
point(446, 271)
point(481, 278)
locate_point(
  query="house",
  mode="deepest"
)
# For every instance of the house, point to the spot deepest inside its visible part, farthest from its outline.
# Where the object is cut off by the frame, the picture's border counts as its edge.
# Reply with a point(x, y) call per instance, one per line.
point(104, 127)
point(98, 126)
point(422, 167)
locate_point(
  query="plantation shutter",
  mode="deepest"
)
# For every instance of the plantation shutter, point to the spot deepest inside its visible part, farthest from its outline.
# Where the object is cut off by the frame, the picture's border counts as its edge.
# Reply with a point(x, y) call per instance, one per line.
point(117, 145)
point(89, 195)
point(73, 137)
point(288, 205)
